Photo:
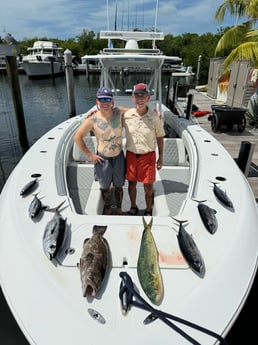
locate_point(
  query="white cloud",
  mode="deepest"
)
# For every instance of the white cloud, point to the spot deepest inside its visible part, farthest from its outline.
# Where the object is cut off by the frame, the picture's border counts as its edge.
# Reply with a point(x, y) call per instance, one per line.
point(66, 19)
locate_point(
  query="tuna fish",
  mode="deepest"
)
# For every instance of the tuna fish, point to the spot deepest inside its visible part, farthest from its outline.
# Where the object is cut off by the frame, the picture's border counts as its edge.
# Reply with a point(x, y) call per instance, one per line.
point(35, 207)
point(208, 216)
point(94, 261)
point(190, 250)
point(54, 234)
point(222, 196)
point(148, 266)
point(29, 187)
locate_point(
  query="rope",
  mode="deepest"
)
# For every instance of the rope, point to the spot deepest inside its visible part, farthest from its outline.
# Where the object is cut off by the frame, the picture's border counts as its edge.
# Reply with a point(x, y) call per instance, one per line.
point(126, 294)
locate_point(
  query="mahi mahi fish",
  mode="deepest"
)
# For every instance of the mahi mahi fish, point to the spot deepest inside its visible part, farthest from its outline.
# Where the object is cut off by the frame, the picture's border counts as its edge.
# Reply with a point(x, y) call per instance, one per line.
point(94, 261)
point(54, 234)
point(148, 266)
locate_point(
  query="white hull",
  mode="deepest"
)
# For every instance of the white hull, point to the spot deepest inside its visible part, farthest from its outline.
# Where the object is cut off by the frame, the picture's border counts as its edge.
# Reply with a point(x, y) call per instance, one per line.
point(36, 69)
point(44, 60)
point(46, 297)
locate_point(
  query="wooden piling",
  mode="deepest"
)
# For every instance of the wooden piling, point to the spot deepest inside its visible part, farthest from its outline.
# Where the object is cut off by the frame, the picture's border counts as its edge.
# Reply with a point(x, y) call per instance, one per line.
point(12, 73)
point(69, 82)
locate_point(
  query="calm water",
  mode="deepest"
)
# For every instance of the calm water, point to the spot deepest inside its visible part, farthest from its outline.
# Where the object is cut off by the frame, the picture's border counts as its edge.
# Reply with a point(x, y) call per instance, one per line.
point(45, 105)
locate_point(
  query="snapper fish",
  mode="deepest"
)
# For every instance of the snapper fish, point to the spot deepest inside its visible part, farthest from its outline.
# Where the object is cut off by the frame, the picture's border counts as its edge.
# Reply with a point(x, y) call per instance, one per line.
point(94, 261)
point(148, 269)
point(208, 216)
point(54, 234)
point(190, 250)
point(222, 196)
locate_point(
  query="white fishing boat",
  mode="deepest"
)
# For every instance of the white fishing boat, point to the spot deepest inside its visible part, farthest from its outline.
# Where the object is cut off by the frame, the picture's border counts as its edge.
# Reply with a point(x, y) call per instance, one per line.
point(44, 60)
point(206, 276)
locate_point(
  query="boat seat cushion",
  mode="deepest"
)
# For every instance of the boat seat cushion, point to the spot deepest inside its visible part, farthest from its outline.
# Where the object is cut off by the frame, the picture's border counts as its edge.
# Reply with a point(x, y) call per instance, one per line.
point(174, 152)
point(79, 155)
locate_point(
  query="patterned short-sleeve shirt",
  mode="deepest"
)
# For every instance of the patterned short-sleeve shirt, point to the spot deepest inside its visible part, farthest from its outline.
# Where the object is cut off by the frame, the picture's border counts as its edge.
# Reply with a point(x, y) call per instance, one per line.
point(142, 131)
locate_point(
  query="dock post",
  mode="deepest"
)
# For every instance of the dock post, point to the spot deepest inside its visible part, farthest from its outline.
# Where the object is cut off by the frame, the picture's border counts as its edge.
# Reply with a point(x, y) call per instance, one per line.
point(12, 73)
point(69, 82)
point(189, 106)
point(174, 97)
point(245, 156)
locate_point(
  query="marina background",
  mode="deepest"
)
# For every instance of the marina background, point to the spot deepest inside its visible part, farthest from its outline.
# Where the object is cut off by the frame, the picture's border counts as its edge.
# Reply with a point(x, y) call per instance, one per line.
point(45, 106)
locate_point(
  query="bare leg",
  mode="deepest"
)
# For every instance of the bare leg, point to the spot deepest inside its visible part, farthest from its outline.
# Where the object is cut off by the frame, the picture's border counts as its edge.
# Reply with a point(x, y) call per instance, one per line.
point(149, 195)
point(132, 194)
point(119, 198)
point(107, 196)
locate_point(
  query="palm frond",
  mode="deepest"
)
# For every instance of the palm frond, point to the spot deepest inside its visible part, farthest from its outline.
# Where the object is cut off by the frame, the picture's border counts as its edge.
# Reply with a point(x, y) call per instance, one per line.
point(232, 37)
point(247, 51)
point(236, 8)
point(253, 34)
point(252, 9)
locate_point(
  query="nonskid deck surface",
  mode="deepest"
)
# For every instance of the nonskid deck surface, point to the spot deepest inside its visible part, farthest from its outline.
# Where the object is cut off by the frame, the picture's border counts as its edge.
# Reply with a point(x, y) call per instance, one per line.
point(170, 189)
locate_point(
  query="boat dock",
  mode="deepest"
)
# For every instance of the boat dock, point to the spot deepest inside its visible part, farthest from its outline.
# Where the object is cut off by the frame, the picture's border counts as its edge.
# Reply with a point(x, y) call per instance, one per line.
point(230, 139)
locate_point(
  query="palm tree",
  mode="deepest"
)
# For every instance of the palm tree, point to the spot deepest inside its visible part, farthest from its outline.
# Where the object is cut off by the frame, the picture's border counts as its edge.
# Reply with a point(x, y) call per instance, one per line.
point(241, 40)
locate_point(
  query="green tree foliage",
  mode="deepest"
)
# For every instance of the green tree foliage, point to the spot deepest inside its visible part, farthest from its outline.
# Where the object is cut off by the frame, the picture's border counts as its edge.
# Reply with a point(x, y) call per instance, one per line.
point(188, 46)
point(240, 41)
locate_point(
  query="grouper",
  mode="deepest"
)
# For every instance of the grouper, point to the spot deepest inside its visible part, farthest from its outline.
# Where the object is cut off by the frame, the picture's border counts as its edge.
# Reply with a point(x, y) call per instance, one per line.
point(94, 261)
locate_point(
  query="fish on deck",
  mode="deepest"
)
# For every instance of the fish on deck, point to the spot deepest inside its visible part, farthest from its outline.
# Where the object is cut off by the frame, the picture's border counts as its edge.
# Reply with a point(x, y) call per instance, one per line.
point(29, 187)
point(190, 250)
point(222, 196)
point(54, 234)
point(36, 207)
point(94, 261)
point(208, 217)
point(148, 269)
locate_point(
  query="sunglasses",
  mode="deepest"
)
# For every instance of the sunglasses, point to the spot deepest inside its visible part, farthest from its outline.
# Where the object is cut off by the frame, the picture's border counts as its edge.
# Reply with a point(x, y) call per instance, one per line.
point(102, 100)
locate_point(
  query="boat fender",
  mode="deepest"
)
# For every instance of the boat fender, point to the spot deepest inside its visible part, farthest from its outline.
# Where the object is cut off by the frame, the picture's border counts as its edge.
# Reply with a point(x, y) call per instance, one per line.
point(201, 113)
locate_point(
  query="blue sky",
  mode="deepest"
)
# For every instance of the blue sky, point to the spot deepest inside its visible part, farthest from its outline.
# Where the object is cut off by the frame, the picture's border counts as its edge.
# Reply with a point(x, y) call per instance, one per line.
point(66, 19)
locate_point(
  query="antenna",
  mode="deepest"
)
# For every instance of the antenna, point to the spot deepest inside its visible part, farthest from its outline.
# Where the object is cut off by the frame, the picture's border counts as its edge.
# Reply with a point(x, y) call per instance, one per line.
point(107, 16)
point(116, 18)
point(156, 15)
point(155, 25)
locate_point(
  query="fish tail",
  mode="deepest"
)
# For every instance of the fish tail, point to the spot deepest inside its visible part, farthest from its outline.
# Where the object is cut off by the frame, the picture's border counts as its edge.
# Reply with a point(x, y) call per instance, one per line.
point(179, 221)
point(99, 229)
point(55, 209)
point(145, 223)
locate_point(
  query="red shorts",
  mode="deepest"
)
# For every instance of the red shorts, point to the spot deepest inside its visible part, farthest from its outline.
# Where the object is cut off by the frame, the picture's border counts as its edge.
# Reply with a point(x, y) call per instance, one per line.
point(141, 168)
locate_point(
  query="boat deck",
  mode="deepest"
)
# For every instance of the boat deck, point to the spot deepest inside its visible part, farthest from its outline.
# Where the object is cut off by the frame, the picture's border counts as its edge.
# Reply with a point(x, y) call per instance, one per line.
point(170, 188)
